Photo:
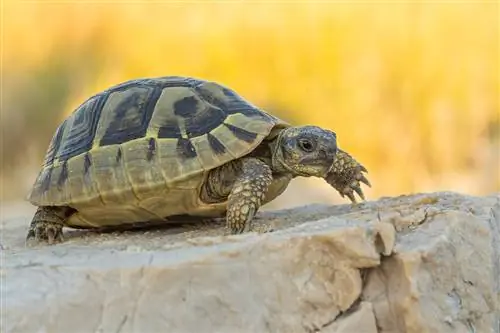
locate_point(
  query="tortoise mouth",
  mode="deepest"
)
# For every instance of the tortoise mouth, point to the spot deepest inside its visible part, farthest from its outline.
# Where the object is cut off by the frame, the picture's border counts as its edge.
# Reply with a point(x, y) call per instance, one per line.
point(318, 169)
point(325, 164)
point(315, 161)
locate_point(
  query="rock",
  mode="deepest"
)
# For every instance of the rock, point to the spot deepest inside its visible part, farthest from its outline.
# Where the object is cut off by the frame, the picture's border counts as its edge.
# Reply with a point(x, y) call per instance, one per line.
point(360, 320)
point(419, 263)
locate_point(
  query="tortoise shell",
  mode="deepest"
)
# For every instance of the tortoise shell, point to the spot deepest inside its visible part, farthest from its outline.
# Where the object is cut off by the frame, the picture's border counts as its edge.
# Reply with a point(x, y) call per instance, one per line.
point(142, 149)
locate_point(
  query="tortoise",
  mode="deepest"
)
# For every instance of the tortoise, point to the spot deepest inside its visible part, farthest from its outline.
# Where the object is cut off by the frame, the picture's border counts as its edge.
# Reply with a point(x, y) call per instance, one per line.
point(152, 148)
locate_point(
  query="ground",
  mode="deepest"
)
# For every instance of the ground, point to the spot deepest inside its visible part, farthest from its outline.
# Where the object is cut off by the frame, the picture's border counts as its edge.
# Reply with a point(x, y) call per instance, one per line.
point(417, 263)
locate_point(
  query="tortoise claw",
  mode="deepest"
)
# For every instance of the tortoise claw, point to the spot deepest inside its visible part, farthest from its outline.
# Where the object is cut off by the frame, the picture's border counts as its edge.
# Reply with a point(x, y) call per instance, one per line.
point(347, 175)
point(351, 196)
point(363, 179)
point(358, 190)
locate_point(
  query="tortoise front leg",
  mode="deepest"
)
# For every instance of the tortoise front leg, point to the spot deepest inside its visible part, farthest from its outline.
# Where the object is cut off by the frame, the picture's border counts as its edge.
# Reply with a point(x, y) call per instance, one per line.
point(47, 225)
point(246, 196)
point(346, 176)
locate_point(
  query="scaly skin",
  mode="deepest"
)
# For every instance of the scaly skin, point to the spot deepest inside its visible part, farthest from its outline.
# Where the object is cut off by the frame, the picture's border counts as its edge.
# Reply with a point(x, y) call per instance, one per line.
point(244, 183)
point(346, 176)
point(247, 181)
point(47, 225)
point(247, 194)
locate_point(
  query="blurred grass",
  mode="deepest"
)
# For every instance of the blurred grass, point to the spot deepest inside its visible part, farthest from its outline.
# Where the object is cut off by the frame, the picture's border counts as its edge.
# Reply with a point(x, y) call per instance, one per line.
point(412, 89)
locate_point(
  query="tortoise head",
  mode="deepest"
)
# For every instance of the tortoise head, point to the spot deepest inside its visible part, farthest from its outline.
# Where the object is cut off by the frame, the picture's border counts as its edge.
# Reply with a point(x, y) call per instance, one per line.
point(305, 151)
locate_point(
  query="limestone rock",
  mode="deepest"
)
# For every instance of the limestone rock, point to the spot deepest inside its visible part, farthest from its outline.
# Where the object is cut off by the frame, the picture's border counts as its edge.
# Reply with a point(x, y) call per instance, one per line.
point(360, 320)
point(420, 263)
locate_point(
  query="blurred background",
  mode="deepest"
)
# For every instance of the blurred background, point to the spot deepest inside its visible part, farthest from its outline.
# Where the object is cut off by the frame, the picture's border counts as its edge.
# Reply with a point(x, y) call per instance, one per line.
point(411, 89)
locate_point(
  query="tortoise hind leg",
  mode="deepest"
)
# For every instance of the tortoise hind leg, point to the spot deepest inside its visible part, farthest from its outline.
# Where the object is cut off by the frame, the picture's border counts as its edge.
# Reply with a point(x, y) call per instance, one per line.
point(47, 224)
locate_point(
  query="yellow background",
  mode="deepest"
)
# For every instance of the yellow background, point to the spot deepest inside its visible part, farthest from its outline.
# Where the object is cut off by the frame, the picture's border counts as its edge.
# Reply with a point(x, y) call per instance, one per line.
point(410, 88)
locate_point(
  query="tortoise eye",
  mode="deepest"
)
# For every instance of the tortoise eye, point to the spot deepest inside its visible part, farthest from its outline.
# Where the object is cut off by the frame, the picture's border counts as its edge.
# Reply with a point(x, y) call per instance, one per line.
point(306, 145)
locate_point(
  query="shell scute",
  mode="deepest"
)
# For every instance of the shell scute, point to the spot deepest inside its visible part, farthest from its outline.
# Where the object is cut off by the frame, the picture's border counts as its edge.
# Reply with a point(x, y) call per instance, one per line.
point(125, 115)
point(144, 140)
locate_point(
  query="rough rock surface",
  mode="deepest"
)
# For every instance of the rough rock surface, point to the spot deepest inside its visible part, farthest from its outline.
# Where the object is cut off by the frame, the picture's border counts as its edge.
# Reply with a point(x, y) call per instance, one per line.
point(419, 263)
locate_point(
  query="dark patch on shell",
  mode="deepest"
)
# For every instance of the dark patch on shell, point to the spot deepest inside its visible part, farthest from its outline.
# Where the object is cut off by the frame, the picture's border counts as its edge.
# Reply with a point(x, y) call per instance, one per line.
point(45, 185)
point(131, 117)
point(185, 148)
point(232, 104)
point(204, 122)
point(87, 164)
point(151, 149)
point(63, 176)
point(170, 130)
point(118, 155)
point(215, 144)
point(55, 144)
point(186, 107)
point(80, 135)
point(241, 133)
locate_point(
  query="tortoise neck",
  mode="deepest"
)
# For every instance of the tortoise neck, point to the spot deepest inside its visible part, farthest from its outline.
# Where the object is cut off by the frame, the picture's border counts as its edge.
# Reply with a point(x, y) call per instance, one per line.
point(277, 162)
